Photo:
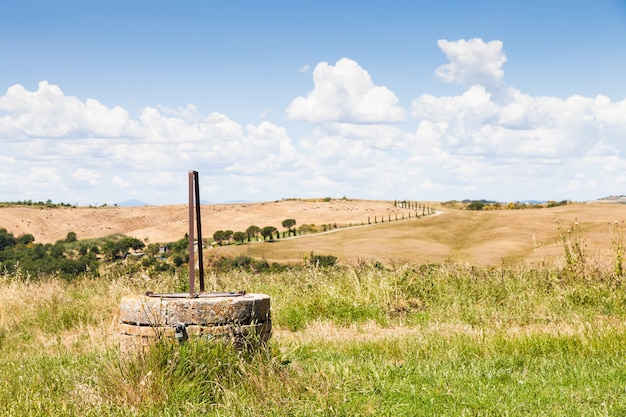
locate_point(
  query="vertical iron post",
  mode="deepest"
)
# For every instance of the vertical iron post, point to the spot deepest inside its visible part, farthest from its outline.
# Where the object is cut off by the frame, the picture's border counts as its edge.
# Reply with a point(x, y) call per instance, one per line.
point(199, 229)
point(194, 191)
point(192, 267)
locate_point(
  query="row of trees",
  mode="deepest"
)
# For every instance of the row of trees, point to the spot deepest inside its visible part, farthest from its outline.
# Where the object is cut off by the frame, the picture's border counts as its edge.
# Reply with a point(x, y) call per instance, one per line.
point(48, 203)
point(222, 237)
point(495, 205)
point(415, 205)
point(225, 237)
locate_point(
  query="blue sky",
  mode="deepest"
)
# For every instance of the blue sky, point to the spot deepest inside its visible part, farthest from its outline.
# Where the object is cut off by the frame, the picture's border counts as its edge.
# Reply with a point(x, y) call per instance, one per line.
point(102, 102)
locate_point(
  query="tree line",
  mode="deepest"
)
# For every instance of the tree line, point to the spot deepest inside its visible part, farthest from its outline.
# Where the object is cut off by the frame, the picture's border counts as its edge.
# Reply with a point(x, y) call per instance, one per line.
point(255, 233)
point(496, 205)
point(70, 257)
point(222, 237)
point(63, 257)
point(47, 204)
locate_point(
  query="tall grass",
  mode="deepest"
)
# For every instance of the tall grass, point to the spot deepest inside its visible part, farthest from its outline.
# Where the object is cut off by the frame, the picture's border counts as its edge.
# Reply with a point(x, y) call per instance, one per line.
point(437, 340)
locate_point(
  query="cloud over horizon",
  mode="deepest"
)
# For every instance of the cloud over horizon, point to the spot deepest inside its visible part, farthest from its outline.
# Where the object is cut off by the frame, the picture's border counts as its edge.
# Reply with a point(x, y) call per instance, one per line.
point(491, 141)
point(345, 93)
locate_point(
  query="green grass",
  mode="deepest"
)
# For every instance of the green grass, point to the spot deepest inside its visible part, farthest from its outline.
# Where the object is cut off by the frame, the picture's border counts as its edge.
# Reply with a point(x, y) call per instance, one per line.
point(413, 340)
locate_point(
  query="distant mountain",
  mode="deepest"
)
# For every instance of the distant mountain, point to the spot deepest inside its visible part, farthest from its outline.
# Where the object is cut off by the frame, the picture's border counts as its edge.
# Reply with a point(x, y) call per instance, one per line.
point(133, 203)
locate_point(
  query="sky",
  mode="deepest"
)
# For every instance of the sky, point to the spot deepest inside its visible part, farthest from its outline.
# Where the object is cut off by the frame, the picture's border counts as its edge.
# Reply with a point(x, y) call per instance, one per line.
point(105, 102)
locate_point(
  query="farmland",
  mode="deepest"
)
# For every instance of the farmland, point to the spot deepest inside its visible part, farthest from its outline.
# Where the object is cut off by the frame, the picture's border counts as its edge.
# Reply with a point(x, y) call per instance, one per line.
point(460, 313)
point(477, 237)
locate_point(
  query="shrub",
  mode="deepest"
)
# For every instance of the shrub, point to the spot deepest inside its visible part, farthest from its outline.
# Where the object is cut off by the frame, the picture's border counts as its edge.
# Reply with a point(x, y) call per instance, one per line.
point(323, 261)
point(476, 205)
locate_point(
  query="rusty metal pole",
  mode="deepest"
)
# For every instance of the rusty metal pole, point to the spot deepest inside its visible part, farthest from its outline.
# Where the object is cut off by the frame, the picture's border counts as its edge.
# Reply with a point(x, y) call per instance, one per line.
point(192, 267)
point(199, 229)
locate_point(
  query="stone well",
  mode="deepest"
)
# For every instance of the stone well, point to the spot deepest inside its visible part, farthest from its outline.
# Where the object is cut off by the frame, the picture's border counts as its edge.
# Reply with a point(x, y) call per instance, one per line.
point(236, 317)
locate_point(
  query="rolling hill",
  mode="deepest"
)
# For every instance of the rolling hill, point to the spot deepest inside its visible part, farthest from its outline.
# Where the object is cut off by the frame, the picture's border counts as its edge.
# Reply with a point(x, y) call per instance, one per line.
point(477, 237)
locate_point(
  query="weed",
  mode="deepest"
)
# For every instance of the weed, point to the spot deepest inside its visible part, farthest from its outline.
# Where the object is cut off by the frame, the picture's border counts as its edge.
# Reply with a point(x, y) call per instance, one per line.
point(573, 247)
point(617, 246)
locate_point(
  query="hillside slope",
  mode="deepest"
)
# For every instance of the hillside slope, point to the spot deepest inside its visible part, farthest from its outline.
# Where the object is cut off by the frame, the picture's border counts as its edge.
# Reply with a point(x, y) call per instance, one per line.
point(170, 223)
point(478, 237)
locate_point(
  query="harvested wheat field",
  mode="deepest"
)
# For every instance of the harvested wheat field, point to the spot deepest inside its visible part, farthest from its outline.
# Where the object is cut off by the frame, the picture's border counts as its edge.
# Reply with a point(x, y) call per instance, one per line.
point(169, 223)
point(477, 237)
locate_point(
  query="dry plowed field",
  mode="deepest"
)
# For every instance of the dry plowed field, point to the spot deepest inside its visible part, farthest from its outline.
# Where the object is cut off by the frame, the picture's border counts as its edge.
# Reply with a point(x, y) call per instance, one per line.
point(479, 237)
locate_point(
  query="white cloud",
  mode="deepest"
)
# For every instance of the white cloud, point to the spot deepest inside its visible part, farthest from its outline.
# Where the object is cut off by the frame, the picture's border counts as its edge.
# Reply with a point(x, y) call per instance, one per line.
point(80, 141)
point(524, 126)
point(185, 125)
point(119, 182)
point(489, 141)
point(48, 113)
point(88, 175)
point(345, 93)
point(472, 62)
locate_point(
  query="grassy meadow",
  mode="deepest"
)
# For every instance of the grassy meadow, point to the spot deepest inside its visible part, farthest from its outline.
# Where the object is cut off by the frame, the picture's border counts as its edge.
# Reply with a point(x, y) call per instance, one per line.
point(448, 340)
point(364, 338)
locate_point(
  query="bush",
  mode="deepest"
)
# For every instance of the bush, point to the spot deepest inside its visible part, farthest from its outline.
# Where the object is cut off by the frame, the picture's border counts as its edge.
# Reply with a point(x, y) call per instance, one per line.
point(476, 205)
point(323, 261)
point(243, 262)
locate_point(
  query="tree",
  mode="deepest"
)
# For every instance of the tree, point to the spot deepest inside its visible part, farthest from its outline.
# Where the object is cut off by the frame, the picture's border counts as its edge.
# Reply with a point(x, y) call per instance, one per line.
point(476, 205)
point(268, 232)
point(288, 224)
point(6, 239)
point(58, 250)
point(239, 237)
point(152, 249)
point(218, 236)
point(221, 236)
point(112, 250)
point(178, 260)
point(25, 239)
point(252, 231)
point(71, 237)
point(119, 249)
point(132, 243)
point(180, 245)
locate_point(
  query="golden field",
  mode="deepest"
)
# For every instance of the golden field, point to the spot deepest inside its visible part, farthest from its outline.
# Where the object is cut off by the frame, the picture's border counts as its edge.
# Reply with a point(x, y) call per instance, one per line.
point(476, 237)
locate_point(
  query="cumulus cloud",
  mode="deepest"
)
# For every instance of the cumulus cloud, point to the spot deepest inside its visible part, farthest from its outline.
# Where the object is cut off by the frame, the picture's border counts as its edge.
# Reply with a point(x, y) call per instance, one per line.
point(472, 62)
point(79, 141)
point(529, 127)
point(510, 124)
point(346, 93)
point(489, 141)
point(48, 113)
